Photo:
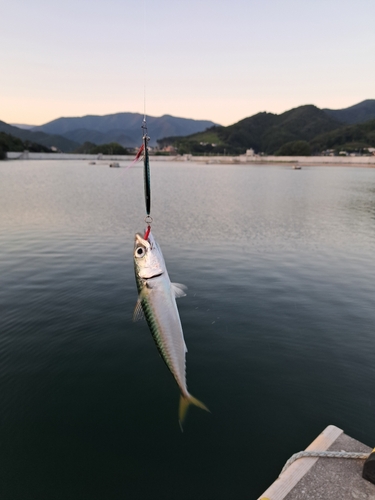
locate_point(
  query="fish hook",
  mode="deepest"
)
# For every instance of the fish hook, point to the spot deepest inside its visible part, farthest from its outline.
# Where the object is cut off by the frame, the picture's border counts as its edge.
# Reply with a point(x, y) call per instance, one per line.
point(148, 221)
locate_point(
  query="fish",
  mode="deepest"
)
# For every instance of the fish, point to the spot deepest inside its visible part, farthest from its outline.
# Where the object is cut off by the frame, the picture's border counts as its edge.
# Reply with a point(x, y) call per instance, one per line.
point(157, 304)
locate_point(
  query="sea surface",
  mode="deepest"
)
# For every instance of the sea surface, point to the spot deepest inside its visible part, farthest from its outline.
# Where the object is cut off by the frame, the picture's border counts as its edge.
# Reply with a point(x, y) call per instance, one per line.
point(279, 321)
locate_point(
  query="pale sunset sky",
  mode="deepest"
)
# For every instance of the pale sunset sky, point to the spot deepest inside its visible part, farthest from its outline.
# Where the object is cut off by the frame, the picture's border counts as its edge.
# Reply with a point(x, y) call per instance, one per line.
point(221, 60)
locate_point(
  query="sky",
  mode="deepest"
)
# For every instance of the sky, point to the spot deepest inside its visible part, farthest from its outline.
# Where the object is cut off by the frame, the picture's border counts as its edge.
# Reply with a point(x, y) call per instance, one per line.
point(219, 60)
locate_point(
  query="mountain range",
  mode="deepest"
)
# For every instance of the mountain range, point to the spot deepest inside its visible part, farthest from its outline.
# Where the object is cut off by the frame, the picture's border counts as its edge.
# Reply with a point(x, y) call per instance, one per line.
point(266, 132)
point(123, 128)
point(312, 128)
point(359, 113)
point(67, 134)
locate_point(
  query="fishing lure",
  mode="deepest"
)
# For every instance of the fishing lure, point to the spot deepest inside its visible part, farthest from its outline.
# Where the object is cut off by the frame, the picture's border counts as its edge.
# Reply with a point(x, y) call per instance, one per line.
point(146, 168)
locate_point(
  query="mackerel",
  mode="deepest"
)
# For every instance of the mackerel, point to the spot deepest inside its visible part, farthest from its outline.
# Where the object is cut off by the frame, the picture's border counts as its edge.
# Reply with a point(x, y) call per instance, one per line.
point(157, 303)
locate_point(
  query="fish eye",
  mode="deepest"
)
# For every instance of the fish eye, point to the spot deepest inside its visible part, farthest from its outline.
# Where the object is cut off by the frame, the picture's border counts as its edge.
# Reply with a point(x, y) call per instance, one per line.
point(140, 252)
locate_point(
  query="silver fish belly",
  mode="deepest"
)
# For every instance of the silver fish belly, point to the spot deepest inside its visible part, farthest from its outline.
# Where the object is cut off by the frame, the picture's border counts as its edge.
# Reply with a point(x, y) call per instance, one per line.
point(157, 303)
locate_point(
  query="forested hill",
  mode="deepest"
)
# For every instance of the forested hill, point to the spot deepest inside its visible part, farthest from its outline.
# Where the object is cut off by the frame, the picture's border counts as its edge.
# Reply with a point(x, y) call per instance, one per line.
point(10, 143)
point(348, 138)
point(359, 113)
point(304, 130)
point(264, 132)
point(268, 132)
point(46, 140)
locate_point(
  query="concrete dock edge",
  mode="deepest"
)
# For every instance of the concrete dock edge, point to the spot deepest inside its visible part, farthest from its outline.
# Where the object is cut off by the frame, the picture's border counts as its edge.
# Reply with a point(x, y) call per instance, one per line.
point(312, 478)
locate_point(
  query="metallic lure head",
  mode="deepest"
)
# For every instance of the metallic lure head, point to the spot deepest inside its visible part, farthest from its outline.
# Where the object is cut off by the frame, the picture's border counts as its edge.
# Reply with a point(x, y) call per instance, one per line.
point(148, 259)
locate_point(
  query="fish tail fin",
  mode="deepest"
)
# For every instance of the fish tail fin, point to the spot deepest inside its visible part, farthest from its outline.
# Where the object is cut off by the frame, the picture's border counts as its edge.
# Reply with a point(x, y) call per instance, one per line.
point(185, 402)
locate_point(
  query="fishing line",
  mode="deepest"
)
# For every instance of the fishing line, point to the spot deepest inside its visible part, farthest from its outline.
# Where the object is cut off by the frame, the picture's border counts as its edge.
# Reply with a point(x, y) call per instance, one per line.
point(145, 138)
point(144, 61)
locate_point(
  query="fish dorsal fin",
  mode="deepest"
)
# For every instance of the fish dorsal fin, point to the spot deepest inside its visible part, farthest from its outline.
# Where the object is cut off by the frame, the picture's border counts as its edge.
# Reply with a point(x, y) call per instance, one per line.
point(138, 311)
point(179, 290)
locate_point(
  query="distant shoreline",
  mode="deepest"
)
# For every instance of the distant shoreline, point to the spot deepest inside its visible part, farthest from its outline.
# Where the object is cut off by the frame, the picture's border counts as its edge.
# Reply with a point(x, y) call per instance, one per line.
point(352, 161)
point(311, 161)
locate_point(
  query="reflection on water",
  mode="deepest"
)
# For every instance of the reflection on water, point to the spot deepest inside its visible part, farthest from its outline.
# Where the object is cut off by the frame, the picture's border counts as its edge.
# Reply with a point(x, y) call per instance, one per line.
point(279, 323)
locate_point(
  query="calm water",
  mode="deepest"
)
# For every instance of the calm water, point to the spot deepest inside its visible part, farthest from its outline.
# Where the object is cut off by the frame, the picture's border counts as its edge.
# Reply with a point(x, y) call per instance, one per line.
point(279, 322)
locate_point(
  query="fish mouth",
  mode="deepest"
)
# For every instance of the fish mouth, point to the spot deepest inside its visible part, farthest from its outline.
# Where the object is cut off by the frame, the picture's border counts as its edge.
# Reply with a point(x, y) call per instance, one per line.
point(154, 276)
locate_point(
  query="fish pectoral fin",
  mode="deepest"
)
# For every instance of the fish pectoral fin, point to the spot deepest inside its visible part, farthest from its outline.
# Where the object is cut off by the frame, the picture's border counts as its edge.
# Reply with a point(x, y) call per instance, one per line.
point(179, 290)
point(138, 311)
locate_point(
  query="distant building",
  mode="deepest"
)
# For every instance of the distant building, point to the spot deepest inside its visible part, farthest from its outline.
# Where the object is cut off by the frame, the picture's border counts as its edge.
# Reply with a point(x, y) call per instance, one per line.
point(250, 152)
point(169, 149)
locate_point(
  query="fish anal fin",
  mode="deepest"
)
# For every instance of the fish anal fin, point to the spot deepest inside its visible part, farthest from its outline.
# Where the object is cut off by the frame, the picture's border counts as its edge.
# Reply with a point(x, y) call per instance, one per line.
point(185, 402)
point(179, 290)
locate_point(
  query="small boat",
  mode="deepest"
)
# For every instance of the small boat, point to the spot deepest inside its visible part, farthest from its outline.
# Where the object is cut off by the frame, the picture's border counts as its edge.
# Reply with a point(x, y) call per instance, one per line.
point(92, 163)
point(114, 164)
point(297, 167)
